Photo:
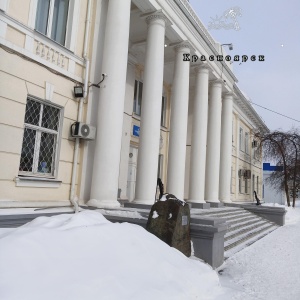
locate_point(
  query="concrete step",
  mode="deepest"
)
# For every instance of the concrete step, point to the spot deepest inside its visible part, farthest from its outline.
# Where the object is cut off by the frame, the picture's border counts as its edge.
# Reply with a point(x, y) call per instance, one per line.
point(229, 244)
point(242, 219)
point(244, 229)
point(217, 211)
point(242, 224)
point(248, 241)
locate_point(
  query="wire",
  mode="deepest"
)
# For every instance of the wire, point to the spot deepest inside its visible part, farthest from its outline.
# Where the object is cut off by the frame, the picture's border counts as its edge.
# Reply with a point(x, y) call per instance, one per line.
point(275, 112)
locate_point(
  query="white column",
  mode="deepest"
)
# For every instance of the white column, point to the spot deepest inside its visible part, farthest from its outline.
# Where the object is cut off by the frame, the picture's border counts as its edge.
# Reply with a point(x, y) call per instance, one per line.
point(226, 149)
point(213, 142)
point(151, 111)
point(178, 126)
point(199, 136)
point(104, 187)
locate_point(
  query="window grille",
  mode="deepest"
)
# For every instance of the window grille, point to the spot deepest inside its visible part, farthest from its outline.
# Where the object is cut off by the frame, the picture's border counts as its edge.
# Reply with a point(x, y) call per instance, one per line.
point(40, 139)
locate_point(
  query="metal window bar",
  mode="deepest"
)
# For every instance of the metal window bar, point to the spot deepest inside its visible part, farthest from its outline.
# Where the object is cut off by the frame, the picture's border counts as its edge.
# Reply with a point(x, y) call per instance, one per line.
point(40, 159)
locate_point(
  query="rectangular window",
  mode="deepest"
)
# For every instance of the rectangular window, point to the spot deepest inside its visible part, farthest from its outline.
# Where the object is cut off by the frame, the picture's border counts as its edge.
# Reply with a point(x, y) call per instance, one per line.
point(247, 142)
point(232, 131)
point(163, 111)
point(137, 100)
point(160, 166)
point(240, 185)
point(40, 139)
point(51, 19)
point(246, 186)
point(241, 139)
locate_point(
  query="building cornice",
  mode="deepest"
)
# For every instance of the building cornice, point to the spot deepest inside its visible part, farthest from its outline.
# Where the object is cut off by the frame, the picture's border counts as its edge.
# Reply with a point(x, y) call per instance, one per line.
point(245, 105)
point(188, 11)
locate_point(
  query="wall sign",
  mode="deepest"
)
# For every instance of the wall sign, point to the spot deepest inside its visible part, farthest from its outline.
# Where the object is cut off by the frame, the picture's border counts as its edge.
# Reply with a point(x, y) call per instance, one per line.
point(136, 130)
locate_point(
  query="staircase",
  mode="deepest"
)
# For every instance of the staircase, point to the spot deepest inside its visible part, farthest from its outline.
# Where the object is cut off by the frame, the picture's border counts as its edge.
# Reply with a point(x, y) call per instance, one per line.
point(244, 227)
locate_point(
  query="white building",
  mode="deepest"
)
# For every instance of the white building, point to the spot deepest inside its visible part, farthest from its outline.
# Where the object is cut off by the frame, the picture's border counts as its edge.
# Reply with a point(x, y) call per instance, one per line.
point(156, 114)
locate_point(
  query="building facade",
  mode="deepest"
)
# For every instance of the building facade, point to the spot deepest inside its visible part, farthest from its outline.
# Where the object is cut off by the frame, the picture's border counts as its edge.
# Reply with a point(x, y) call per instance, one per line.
point(158, 111)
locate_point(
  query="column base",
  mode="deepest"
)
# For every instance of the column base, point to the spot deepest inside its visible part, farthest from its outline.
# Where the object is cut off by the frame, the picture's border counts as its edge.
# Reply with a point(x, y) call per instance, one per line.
point(202, 205)
point(215, 204)
point(103, 203)
point(225, 201)
point(138, 205)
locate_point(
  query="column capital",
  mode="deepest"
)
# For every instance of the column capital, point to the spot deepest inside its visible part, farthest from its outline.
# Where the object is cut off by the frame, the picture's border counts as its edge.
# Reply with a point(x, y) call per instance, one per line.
point(201, 67)
point(182, 46)
point(216, 82)
point(156, 16)
point(228, 96)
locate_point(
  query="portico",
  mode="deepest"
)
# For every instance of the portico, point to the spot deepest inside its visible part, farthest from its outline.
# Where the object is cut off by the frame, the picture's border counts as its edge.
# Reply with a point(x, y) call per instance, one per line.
point(156, 49)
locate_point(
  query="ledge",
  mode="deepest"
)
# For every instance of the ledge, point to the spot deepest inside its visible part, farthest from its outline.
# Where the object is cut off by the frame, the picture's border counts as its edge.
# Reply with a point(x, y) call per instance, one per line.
point(37, 182)
point(273, 214)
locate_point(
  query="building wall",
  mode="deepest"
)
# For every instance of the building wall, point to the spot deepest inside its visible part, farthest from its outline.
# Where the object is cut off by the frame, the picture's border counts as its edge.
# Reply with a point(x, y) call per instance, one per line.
point(33, 65)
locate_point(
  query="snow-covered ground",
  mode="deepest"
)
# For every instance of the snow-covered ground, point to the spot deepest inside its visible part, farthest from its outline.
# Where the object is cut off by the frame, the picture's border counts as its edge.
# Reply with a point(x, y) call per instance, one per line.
point(85, 257)
point(270, 268)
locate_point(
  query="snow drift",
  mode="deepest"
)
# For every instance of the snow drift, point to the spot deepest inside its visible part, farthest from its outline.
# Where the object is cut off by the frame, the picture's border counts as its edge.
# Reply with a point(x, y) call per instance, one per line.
point(84, 256)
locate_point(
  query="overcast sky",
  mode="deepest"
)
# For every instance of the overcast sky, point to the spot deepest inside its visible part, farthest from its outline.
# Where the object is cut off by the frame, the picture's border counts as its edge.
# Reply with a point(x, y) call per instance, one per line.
point(270, 28)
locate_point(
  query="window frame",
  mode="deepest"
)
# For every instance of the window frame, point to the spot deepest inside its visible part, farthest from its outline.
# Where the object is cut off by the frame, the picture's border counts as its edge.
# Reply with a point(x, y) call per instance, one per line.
point(163, 113)
point(38, 132)
point(160, 166)
point(241, 135)
point(246, 138)
point(137, 94)
point(71, 26)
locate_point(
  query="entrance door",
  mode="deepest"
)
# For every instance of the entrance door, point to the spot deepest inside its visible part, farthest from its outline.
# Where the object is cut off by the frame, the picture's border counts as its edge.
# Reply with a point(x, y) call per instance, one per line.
point(131, 177)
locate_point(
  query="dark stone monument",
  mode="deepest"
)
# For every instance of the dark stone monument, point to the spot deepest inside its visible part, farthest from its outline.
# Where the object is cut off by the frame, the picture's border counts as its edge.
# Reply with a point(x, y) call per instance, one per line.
point(169, 220)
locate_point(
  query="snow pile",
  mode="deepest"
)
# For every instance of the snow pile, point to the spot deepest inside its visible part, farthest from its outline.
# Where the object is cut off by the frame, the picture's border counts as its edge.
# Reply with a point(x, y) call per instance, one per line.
point(84, 256)
point(165, 197)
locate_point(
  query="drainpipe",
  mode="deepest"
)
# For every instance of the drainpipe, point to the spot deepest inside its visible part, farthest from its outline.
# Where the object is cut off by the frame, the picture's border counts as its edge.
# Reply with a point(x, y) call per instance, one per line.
point(73, 196)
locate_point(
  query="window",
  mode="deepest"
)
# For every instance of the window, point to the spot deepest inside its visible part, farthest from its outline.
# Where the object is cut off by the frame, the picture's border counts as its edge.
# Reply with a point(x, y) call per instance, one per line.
point(246, 186)
point(241, 139)
point(160, 166)
point(51, 19)
point(163, 111)
point(137, 101)
point(247, 142)
point(240, 185)
point(232, 131)
point(40, 140)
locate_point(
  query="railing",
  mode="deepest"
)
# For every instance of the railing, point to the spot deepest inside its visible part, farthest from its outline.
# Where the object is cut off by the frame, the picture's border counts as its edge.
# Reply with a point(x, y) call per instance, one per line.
point(42, 49)
point(51, 55)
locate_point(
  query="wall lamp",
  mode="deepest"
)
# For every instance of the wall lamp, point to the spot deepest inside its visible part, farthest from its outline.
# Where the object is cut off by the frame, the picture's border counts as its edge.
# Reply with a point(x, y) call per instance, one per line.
point(78, 91)
point(230, 46)
point(98, 84)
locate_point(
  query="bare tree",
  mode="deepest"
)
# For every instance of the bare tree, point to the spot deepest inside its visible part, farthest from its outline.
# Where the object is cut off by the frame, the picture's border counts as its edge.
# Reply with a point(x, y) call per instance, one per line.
point(284, 148)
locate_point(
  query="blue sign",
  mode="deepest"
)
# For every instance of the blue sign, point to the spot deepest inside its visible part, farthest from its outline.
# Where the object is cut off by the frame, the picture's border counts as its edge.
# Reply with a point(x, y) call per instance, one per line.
point(136, 131)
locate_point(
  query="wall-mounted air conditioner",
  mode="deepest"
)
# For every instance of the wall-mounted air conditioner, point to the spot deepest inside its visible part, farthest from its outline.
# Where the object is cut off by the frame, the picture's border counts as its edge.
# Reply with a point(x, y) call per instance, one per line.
point(83, 131)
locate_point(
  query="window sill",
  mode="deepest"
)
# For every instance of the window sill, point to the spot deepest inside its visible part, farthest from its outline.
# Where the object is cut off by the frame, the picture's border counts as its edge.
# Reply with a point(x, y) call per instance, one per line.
point(37, 182)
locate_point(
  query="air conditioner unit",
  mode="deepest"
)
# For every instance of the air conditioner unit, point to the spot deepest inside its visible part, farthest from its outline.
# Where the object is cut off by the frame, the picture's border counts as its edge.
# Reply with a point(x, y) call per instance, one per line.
point(254, 144)
point(83, 131)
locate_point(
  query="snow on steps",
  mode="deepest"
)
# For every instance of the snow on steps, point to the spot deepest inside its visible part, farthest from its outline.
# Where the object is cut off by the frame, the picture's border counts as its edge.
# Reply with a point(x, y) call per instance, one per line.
point(244, 229)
